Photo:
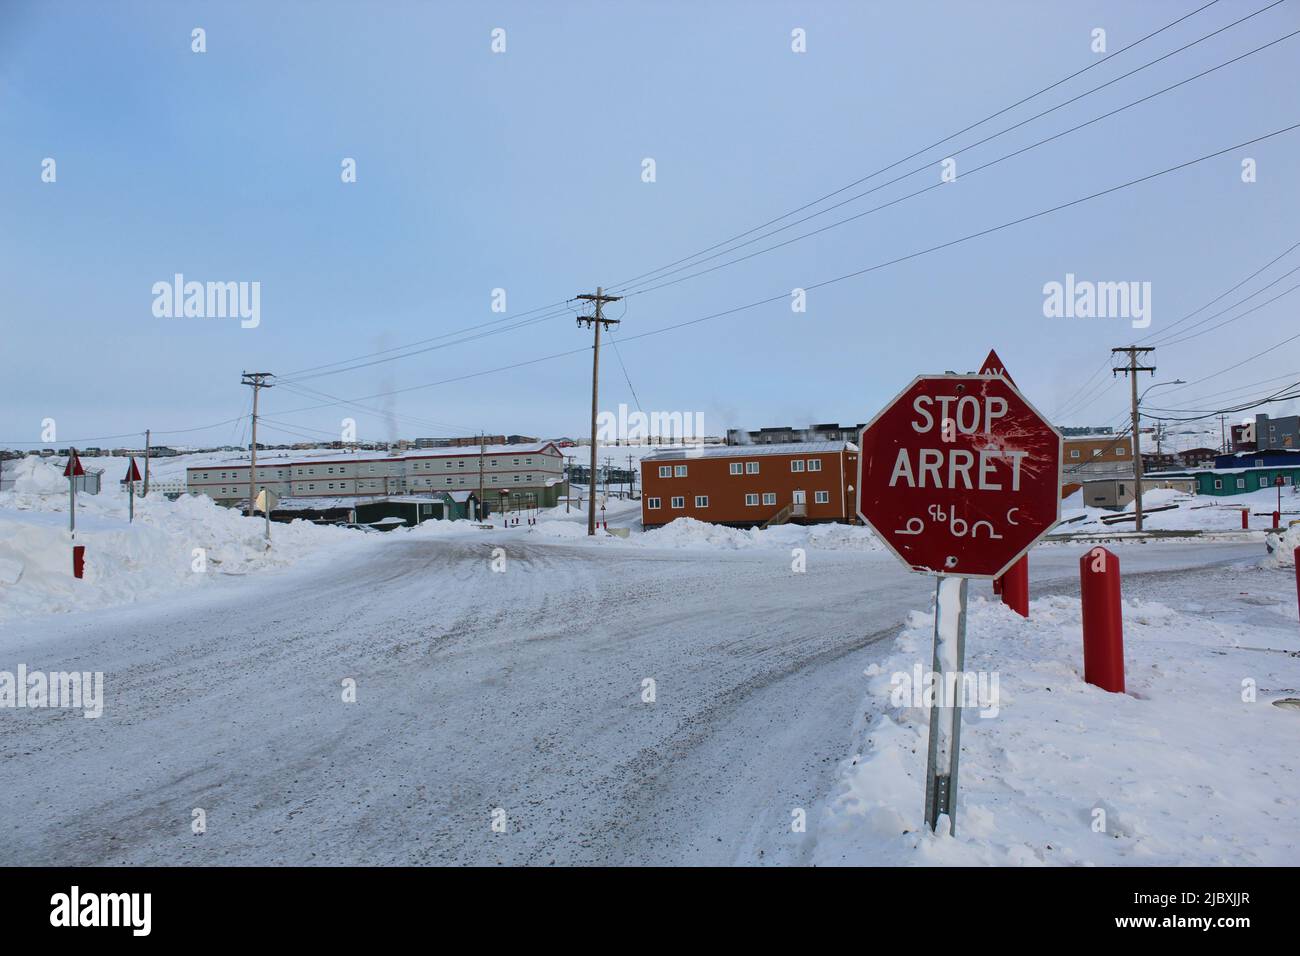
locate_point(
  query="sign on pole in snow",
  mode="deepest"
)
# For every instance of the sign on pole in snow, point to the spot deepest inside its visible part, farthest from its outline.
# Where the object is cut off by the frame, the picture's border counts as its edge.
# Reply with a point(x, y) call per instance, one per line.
point(73, 468)
point(960, 475)
point(132, 473)
point(266, 501)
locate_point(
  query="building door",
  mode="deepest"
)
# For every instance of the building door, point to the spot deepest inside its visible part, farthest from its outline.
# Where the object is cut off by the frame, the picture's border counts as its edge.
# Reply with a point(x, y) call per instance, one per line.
point(800, 502)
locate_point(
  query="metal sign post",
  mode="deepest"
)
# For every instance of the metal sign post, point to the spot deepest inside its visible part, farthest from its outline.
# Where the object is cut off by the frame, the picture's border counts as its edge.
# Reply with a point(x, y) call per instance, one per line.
point(72, 472)
point(949, 664)
point(959, 476)
point(132, 476)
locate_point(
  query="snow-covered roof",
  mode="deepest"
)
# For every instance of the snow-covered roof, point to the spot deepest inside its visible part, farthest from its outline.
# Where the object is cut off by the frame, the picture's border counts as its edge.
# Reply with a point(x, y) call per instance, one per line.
point(752, 451)
point(337, 456)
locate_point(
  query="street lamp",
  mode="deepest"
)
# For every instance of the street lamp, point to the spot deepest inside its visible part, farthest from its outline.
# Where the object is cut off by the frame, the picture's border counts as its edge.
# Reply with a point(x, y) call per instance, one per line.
point(1137, 450)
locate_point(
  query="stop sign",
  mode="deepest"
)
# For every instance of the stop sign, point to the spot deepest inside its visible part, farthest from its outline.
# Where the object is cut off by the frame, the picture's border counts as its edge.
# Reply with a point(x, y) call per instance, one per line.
point(960, 475)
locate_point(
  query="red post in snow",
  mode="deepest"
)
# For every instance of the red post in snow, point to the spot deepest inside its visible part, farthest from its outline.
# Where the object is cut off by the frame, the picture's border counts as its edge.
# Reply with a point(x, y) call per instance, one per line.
point(1277, 520)
point(1296, 556)
point(1103, 620)
point(78, 560)
point(1245, 519)
point(1015, 587)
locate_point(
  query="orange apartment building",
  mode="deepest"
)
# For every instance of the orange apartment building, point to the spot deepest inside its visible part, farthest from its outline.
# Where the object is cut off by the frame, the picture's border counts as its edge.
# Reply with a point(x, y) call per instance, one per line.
point(1087, 457)
point(747, 485)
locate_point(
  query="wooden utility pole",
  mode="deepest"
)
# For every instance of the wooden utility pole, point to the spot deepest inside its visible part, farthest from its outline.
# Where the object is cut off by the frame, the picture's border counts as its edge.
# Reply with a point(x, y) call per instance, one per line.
point(568, 482)
point(631, 479)
point(1223, 435)
point(1132, 369)
point(257, 380)
point(482, 451)
point(595, 322)
point(145, 492)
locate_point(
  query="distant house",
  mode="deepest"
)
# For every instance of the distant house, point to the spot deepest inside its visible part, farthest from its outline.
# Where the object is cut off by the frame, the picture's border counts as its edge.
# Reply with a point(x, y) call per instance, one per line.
point(1198, 457)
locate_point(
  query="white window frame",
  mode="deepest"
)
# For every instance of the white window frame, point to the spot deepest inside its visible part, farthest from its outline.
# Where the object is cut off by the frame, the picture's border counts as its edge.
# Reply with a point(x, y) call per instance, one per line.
point(751, 500)
point(737, 468)
point(679, 471)
point(665, 471)
point(796, 464)
point(821, 497)
point(751, 468)
point(653, 503)
point(701, 501)
point(814, 464)
point(769, 497)
point(677, 501)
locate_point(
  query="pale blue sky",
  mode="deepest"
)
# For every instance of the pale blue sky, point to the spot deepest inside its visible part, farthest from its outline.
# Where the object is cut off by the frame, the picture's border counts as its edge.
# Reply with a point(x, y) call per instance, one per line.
point(522, 170)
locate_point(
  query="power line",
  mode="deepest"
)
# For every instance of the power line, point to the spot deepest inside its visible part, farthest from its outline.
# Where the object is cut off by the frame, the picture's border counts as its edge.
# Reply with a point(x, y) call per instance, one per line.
point(924, 149)
point(941, 184)
point(784, 296)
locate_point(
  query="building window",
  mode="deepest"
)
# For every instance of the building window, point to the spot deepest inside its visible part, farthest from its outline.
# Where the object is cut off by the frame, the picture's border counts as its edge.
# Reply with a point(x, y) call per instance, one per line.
point(1241, 482)
point(1263, 481)
point(1121, 451)
point(665, 471)
point(678, 501)
point(652, 504)
point(1218, 484)
point(701, 501)
point(751, 468)
point(1097, 452)
point(814, 464)
point(751, 500)
point(821, 497)
point(679, 471)
point(737, 468)
point(769, 497)
point(1074, 453)
point(796, 464)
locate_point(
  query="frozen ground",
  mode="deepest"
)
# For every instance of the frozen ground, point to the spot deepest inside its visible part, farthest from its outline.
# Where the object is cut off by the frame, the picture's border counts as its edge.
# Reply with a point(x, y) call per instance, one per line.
point(476, 690)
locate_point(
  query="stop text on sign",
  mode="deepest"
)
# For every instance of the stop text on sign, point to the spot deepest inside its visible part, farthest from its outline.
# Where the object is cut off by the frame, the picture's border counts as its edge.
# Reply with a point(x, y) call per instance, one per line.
point(948, 416)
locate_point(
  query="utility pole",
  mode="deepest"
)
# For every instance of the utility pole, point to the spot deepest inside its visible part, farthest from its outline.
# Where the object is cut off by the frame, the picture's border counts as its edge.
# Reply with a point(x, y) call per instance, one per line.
point(595, 322)
point(482, 451)
point(257, 380)
point(1132, 369)
point(145, 492)
point(631, 479)
point(1223, 435)
point(568, 482)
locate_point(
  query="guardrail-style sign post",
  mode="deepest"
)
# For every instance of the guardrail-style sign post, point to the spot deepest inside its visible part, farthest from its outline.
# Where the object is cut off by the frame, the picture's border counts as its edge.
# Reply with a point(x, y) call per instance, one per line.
point(959, 476)
point(72, 471)
point(132, 476)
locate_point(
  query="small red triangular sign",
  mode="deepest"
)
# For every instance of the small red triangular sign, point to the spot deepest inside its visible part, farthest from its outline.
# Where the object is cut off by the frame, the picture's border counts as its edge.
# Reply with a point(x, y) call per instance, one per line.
point(73, 468)
point(132, 473)
point(993, 366)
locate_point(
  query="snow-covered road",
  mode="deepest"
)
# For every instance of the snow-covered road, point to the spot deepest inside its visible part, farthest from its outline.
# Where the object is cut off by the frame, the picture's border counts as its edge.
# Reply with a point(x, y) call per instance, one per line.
point(476, 690)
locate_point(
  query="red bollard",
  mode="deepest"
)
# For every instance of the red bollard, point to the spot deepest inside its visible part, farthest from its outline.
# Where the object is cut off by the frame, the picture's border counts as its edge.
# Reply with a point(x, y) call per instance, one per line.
point(997, 585)
point(1277, 520)
point(1103, 620)
point(1015, 587)
point(1245, 519)
point(78, 560)
point(1296, 556)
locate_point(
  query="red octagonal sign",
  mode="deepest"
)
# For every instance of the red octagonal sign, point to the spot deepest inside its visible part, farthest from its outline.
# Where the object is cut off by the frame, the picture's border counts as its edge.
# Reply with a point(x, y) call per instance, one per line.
point(960, 475)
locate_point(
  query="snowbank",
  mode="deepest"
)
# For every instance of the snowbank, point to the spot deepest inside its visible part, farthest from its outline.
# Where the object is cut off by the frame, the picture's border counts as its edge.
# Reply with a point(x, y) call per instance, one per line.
point(1281, 548)
point(690, 533)
point(1179, 770)
point(171, 545)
